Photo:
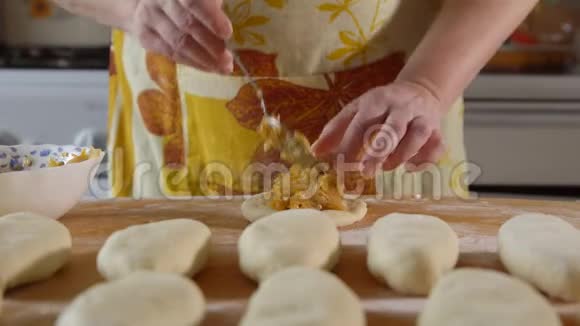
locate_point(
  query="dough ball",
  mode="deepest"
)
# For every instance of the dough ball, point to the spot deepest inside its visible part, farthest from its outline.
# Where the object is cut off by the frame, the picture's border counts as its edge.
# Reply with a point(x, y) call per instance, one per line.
point(140, 299)
point(174, 246)
point(32, 248)
point(411, 252)
point(478, 297)
point(256, 207)
point(297, 237)
point(543, 250)
point(300, 296)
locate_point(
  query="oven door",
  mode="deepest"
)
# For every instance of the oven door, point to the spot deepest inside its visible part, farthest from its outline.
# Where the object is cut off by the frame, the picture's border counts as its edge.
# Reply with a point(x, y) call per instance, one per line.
point(524, 143)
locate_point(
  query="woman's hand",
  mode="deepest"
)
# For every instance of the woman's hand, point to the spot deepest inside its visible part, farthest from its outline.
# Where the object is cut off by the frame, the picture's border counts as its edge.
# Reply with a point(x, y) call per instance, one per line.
point(191, 32)
point(394, 124)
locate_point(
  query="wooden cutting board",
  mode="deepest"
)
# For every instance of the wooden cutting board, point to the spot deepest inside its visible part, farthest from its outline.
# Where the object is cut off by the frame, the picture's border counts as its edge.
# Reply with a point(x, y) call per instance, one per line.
point(227, 290)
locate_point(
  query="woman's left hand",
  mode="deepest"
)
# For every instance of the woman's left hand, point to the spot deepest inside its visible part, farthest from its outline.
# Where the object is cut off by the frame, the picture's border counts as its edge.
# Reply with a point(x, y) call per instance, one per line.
point(395, 124)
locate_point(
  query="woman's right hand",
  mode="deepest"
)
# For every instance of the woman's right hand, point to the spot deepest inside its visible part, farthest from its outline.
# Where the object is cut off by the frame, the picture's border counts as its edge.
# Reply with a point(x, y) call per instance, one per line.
point(191, 32)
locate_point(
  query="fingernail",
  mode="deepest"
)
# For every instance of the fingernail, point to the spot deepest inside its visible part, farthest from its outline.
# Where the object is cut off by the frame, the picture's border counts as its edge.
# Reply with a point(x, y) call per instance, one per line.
point(314, 147)
point(228, 30)
point(228, 68)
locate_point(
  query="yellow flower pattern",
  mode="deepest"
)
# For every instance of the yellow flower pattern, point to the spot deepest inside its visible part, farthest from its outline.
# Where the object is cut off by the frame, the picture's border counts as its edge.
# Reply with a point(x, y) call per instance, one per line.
point(377, 20)
point(276, 3)
point(243, 21)
point(354, 41)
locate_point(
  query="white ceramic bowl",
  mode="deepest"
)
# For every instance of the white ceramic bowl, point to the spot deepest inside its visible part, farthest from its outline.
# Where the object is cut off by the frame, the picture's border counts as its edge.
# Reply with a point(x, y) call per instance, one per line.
point(39, 189)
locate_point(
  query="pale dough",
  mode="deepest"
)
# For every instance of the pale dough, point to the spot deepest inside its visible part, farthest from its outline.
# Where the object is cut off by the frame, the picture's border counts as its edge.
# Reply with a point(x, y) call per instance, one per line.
point(32, 248)
point(256, 207)
point(543, 250)
point(477, 297)
point(297, 237)
point(301, 296)
point(177, 246)
point(411, 252)
point(140, 299)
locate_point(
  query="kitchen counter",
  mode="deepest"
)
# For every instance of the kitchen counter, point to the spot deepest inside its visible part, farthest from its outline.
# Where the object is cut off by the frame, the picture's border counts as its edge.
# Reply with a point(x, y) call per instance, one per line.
point(227, 290)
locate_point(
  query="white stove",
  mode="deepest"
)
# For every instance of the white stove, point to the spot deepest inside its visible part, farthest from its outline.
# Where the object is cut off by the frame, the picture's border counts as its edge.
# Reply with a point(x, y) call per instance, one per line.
point(54, 106)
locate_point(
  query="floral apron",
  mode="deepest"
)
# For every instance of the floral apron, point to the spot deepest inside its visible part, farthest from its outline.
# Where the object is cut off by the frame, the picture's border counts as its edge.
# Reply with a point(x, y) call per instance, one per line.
point(176, 132)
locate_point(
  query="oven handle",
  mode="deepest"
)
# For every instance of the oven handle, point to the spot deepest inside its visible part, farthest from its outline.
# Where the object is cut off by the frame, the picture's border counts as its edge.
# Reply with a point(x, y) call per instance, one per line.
point(523, 114)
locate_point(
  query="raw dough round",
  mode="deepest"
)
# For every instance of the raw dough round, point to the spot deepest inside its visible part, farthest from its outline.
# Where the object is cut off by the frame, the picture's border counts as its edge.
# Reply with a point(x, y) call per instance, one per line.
point(256, 207)
point(543, 250)
point(300, 296)
point(297, 237)
point(174, 246)
point(483, 297)
point(411, 252)
point(32, 248)
point(140, 299)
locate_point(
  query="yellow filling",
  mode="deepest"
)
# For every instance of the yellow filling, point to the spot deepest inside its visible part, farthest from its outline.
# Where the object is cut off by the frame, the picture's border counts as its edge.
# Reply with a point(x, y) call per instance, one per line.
point(302, 186)
point(306, 188)
point(83, 156)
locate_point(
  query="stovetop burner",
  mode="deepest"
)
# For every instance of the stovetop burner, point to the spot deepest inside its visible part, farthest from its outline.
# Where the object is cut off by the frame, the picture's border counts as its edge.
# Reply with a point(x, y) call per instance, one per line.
point(56, 58)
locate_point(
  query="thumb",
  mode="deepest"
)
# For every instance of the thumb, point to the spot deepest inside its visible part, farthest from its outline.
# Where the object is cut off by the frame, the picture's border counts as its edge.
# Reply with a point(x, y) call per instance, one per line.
point(332, 134)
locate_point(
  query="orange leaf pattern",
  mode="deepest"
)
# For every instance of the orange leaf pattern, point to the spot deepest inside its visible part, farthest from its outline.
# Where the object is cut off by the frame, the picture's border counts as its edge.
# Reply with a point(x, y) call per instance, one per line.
point(303, 108)
point(258, 64)
point(352, 83)
point(173, 150)
point(158, 112)
point(161, 109)
point(163, 72)
point(309, 109)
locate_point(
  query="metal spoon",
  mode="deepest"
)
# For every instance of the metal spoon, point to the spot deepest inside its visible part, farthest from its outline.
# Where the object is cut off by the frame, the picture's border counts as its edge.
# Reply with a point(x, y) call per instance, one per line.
point(293, 147)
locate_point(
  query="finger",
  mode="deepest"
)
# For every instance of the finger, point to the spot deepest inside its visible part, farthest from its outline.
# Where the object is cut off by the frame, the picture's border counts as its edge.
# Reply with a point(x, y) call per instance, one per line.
point(384, 141)
point(213, 45)
point(185, 46)
point(418, 134)
point(180, 16)
point(430, 153)
point(153, 42)
point(371, 114)
point(210, 13)
point(192, 63)
point(377, 148)
point(196, 54)
point(185, 21)
point(333, 131)
point(166, 28)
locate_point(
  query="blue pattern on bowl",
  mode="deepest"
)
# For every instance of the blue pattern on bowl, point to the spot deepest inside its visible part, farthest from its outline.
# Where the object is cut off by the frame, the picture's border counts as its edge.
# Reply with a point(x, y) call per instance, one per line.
point(29, 157)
